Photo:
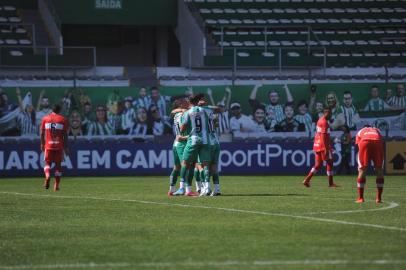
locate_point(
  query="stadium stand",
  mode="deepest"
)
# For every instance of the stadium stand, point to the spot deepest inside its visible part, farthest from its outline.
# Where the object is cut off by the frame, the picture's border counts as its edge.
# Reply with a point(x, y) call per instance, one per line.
point(302, 33)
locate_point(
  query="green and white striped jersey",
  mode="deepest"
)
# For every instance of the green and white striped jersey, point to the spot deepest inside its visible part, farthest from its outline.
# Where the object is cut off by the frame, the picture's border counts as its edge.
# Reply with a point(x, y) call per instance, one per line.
point(349, 113)
point(376, 105)
point(306, 120)
point(213, 138)
point(274, 112)
point(196, 121)
point(177, 123)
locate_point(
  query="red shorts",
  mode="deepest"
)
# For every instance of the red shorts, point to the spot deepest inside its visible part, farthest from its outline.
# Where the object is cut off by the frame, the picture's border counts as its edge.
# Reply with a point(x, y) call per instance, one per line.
point(323, 156)
point(53, 156)
point(370, 150)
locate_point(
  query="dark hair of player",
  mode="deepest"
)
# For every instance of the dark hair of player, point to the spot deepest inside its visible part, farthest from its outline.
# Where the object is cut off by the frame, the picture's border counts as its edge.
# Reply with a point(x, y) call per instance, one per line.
point(196, 98)
point(56, 108)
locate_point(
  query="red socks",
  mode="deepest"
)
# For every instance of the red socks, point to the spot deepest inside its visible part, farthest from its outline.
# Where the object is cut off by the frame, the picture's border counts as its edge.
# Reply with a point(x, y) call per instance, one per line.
point(360, 187)
point(379, 188)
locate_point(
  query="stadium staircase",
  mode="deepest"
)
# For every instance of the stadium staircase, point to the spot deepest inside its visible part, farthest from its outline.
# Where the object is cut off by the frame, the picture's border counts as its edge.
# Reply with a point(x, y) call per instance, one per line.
point(303, 33)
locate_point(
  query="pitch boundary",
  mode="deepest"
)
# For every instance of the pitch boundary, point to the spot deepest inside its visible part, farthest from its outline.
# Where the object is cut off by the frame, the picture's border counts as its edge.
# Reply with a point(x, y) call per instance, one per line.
point(202, 264)
point(337, 221)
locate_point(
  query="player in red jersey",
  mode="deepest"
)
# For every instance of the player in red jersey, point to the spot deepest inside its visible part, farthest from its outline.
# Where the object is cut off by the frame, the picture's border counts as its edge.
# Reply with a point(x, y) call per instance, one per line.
point(322, 148)
point(370, 147)
point(54, 142)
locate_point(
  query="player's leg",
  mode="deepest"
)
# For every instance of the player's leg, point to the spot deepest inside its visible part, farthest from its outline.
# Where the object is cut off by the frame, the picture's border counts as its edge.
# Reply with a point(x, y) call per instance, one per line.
point(204, 156)
point(329, 170)
point(214, 170)
point(187, 168)
point(318, 162)
point(173, 178)
point(362, 160)
point(197, 175)
point(58, 156)
point(47, 168)
point(378, 159)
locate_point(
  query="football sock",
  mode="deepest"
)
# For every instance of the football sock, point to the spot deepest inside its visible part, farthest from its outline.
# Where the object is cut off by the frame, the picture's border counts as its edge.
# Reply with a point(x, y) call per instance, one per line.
point(360, 187)
point(312, 172)
point(189, 176)
point(330, 172)
point(58, 174)
point(173, 178)
point(47, 170)
point(206, 174)
point(183, 174)
point(217, 188)
point(379, 187)
point(216, 179)
point(196, 174)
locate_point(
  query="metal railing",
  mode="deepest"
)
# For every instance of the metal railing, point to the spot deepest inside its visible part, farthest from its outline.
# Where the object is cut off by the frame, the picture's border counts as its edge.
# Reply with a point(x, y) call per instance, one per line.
point(46, 57)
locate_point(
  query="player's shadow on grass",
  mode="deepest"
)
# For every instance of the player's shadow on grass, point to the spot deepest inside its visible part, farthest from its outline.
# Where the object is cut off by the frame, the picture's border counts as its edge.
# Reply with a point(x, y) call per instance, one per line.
point(264, 195)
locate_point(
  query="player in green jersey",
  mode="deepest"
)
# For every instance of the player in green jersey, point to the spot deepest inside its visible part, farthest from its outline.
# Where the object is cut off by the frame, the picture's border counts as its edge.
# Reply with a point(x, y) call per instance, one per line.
point(195, 124)
point(214, 146)
point(180, 106)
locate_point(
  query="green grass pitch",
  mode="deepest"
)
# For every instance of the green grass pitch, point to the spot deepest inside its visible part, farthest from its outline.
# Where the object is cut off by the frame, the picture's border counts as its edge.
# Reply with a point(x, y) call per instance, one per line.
point(265, 222)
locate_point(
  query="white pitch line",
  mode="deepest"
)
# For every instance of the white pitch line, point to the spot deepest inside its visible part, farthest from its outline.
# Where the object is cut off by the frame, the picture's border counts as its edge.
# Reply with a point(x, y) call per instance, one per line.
point(377, 226)
point(202, 264)
point(390, 206)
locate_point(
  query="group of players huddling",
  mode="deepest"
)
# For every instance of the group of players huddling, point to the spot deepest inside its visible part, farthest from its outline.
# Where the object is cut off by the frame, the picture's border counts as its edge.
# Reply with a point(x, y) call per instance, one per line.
point(196, 149)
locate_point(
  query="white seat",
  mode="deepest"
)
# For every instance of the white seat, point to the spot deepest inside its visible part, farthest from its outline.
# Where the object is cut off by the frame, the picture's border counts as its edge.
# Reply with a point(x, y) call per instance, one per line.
point(248, 21)
point(11, 41)
point(361, 42)
point(318, 54)
point(291, 11)
point(279, 32)
point(309, 21)
point(235, 21)
point(242, 10)
point(312, 43)
point(293, 54)
point(373, 42)
point(326, 10)
point(297, 21)
point(387, 42)
point(260, 43)
point(314, 10)
point(395, 20)
point(3, 19)
point(24, 41)
point(388, 10)
point(395, 54)
point(366, 32)
point(286, 43)
point(356, 54)
point(391, 32)
point(332, 54)
point(344, 54)
point(333, 20)
point(351, 10)
point(369, 54)
point(348, 42)
point(324, 42)
point(249, 43)
point(9, 8)
point(205, 11)
point(211, 21)
point(382, 54)
point(342, 32)
point(358, 20)
point(293, 32)
point(399, 42)
point(266, 10)
point(375, 10)
point(336, 42)
point(16, 53)
point(363, 10)
point(260, 21)
point(21, 31)
point(268, 54)
point(1, 42)
point(299, 43)
point(344, 20)
point(371, 20)
point(217, 11)
point(231, 33)
point(254, 11)
point(278, 10)
point(285, 21)
point(402, 31)
point(236, 43)
point(329, 32)
point(273, 21)
point(303, 11)
point(379, 32)
point(339, 10)
point(14, 19)
point(224, 44)
point(274, 43)
point(383, 21)
point(230, 11)
point(223, 21)
point(243, 54)
point(354, 32)
point(322, 21)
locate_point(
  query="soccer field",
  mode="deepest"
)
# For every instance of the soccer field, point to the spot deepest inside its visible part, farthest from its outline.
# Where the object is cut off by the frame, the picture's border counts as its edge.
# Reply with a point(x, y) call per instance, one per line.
point(259, 223)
